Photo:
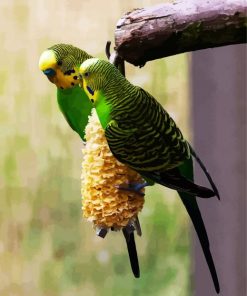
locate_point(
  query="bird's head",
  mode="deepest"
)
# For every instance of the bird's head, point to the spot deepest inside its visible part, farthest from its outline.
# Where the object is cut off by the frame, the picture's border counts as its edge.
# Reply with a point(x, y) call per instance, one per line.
point(48, 64)
point(95, 75)
point(60, 63)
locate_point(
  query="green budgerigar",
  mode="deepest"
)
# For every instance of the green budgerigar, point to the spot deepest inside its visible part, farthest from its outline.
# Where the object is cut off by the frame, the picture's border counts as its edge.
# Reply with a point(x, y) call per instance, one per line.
point(60, 63)
point(142, 135)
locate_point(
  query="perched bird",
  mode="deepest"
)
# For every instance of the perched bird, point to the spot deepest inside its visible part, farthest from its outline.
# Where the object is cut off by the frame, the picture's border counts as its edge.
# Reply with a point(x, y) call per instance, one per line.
point(142, 135)
point(60, 63)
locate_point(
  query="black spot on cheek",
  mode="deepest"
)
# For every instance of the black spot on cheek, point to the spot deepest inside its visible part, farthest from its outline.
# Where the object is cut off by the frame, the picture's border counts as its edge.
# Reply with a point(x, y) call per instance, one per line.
point(92, 100)
point(59, 63)
point(69, 72)
point(61, 87)
point(72, 83)
point(75, 77)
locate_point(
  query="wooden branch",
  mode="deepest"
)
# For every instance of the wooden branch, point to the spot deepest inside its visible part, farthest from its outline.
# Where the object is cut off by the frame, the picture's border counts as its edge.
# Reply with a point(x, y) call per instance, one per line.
point(187, 25)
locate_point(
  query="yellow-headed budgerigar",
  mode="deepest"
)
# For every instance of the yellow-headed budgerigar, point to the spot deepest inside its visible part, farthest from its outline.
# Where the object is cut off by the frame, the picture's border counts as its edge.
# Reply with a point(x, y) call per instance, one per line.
point(60, 63)
point(142, 135)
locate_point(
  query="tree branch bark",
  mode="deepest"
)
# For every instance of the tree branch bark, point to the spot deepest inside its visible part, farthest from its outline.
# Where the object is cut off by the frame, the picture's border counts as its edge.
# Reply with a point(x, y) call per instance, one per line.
point(186, 25)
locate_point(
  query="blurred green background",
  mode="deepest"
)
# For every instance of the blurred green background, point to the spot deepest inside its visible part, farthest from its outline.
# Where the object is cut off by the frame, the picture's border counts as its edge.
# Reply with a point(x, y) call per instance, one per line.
point(45, 246)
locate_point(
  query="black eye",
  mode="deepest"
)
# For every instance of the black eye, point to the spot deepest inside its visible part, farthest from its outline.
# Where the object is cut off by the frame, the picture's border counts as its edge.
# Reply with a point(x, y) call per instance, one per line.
point(86, 74)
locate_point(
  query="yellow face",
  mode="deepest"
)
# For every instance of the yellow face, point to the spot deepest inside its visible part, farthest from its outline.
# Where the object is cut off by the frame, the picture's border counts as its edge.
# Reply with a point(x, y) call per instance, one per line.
point(87, 82)
point(49, 66)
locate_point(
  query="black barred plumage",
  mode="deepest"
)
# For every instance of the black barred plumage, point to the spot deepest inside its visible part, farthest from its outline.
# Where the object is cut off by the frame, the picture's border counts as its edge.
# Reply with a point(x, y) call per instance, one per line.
point(69, 56)
point(141, 134)
point(145, 137)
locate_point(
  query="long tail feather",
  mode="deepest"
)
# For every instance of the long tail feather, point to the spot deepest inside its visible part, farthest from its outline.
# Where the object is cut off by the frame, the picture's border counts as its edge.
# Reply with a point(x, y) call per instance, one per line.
point(215, 189)
point(195, 215)
point(196, 218)
point(130, 241)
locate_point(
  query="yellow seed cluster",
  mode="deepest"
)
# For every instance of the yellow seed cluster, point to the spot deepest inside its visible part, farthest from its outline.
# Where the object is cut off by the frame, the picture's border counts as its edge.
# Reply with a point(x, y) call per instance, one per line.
point(103, 203)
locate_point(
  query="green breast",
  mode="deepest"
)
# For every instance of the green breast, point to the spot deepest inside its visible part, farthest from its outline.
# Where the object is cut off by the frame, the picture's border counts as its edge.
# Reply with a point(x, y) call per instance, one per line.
point(103, 109)
point(76, 108)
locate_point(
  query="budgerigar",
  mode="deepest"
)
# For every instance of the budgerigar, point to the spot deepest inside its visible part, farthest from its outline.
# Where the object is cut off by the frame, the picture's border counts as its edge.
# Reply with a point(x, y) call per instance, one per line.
point(60, 63)
point(141, 134)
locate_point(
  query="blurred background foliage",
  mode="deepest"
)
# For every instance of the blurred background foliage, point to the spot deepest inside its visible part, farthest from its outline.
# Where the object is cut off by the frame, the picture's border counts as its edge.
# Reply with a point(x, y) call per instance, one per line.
point(45, 246)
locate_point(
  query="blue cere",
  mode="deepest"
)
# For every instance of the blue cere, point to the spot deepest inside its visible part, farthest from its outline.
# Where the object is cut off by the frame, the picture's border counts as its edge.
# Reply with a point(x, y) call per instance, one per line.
point(49, 72)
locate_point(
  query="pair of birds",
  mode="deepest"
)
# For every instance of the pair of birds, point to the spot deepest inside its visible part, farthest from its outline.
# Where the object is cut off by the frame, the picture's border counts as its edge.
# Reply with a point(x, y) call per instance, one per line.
point(139, 132)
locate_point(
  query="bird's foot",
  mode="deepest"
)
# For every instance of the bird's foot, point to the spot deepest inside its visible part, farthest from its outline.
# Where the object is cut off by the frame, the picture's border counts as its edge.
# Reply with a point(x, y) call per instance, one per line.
point(133, 187)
